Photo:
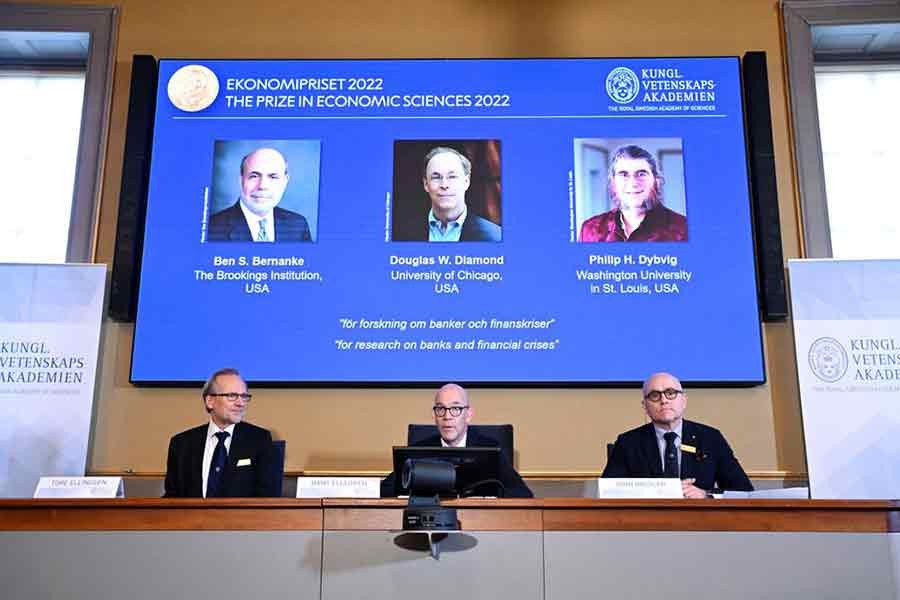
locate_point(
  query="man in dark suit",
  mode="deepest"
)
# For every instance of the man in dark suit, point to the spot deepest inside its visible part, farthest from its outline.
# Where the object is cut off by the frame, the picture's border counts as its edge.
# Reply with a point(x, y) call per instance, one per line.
point(452, 414)
point(227, 457)
point(255, 217)
point(670, 446)
point(446, 180)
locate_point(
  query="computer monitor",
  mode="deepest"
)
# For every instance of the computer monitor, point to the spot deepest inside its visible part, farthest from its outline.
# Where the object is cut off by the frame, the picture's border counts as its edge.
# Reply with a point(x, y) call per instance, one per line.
point(473, 465)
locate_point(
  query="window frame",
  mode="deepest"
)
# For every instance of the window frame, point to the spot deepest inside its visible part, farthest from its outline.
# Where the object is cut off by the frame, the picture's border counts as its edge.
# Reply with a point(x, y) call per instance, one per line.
point(799, 16)
point(101, 24)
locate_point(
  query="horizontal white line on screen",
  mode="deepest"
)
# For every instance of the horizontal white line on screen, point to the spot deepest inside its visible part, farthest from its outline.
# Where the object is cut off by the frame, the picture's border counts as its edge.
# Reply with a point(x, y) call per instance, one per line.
point(404, 117)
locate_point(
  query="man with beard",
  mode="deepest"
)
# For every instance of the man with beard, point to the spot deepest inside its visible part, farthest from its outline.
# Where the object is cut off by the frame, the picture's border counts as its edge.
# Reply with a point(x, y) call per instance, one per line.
point(635, 184)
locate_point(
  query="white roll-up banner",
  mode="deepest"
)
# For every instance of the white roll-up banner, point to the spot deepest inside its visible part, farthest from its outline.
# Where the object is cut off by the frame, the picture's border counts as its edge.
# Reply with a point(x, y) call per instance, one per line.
point(847, 336)
point(50, 319)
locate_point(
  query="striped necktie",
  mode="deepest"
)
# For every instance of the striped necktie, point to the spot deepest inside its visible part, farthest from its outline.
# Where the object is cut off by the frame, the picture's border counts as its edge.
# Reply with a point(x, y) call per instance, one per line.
point(262, 236)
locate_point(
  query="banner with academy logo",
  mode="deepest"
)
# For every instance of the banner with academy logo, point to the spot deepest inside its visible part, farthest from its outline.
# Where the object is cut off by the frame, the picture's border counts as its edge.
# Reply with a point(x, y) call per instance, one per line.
point(50, 317)
point(847, 338)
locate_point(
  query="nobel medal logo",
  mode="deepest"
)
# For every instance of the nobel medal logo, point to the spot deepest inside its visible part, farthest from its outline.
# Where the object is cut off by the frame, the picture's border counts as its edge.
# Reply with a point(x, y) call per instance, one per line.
point(828, 359)
point(193, 87)
point(622, 85)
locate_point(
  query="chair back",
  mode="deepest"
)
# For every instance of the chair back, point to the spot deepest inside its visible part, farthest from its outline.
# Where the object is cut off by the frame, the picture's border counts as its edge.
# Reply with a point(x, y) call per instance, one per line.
point(278, 450)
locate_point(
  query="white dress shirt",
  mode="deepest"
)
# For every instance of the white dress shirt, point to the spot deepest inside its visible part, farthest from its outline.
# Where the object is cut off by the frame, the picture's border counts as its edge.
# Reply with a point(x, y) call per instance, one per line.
point(460, 444)
point(253, 222)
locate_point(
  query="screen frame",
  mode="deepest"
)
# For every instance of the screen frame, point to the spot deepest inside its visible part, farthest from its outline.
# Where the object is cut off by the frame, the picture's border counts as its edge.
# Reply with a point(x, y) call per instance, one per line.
point(495, 384)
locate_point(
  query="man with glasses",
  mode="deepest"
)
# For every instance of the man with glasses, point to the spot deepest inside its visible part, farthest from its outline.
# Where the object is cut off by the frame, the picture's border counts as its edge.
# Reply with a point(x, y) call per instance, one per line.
point(446, 179)
point(635, 186)
point(670, 446)
point(227, 457)
point(452, 414)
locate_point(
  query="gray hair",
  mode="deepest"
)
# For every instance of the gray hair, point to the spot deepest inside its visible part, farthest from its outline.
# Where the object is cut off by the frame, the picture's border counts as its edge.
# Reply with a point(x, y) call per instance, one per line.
point(466, 163)
point(637, 153)
point(210, 383)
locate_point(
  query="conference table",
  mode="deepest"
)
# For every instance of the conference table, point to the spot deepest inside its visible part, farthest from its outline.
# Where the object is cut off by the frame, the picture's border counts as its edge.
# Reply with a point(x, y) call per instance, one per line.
point(525, 549)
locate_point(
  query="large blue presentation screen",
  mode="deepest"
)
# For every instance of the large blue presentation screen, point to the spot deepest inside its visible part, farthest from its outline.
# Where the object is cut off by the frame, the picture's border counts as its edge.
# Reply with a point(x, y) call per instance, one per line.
point(540, 221)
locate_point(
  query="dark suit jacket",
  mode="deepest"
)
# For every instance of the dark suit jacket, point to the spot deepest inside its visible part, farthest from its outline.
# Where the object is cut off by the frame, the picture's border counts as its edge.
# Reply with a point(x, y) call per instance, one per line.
point(513, 484)
point(474, 229)
point(636, 454)
point(229, 225)
point(262, 477)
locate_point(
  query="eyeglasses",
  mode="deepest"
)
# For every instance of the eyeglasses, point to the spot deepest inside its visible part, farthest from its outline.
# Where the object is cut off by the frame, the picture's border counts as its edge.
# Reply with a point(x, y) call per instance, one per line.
point(233, 396)
point(438, 178)
point(639, 175)
point(455, 411)
point(656, 395)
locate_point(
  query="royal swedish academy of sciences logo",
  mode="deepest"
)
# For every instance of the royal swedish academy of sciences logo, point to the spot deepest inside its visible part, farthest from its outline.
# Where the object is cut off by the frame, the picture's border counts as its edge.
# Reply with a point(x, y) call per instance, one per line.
point(828, 359)
point(622, 85)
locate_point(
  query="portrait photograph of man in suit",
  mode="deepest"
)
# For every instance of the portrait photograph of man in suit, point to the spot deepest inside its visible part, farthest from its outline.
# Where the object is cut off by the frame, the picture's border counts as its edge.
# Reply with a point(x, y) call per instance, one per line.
point(630, 190)
point(263, 191)
point(446, 191)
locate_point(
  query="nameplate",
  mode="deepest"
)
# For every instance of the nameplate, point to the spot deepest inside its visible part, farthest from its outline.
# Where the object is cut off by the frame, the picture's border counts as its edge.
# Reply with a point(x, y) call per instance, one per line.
point(790, 493)
point(338, 487)
point(627, 487)
point(79, 487)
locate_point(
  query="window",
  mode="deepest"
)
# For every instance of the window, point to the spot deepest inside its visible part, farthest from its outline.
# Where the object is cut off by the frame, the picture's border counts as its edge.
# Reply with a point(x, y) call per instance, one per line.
point(860, 133)
point(40, 116)
point(59, 50)
point(842, 36)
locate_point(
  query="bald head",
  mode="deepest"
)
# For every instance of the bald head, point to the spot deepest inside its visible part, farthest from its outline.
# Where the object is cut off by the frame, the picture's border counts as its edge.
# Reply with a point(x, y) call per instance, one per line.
point(664, 400)
point(265, 155)
point(660, 377)
point(452, 398)
point(452, 391)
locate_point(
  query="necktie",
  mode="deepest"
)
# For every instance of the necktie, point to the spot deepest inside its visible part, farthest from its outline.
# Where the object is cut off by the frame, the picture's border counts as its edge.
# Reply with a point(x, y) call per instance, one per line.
point(670, 468)
point(262, 236)
point(217, 467)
